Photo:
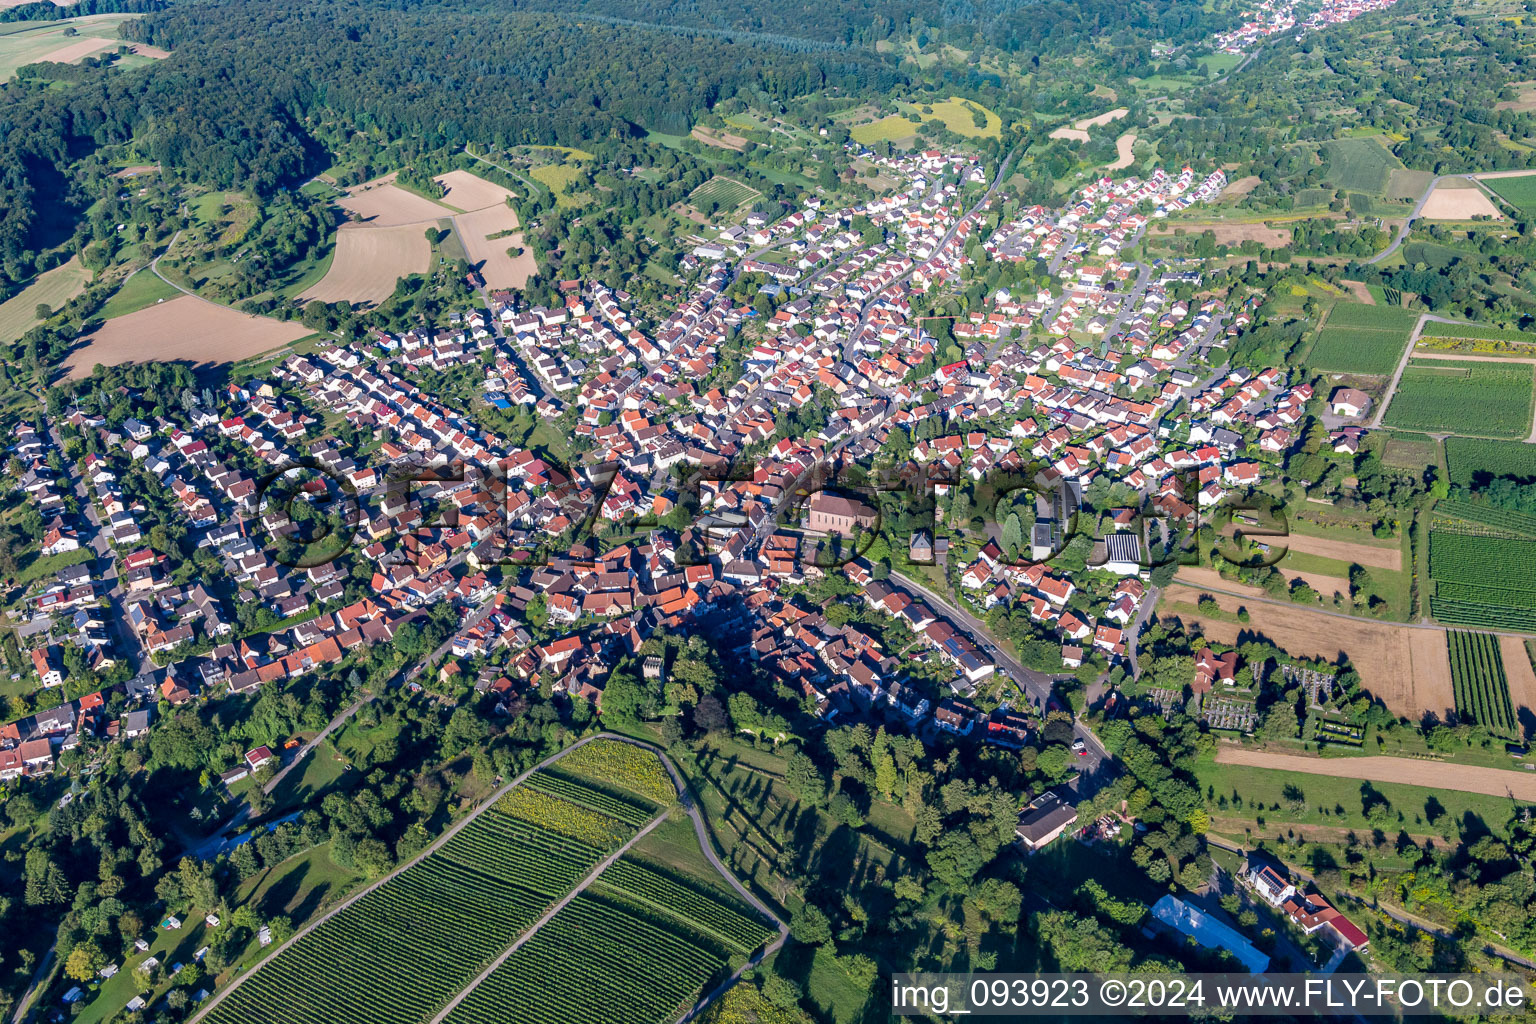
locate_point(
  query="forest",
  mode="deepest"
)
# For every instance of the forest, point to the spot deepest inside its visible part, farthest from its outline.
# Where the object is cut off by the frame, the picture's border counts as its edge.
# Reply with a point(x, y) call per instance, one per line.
point(240, 107)
point(1052, 26)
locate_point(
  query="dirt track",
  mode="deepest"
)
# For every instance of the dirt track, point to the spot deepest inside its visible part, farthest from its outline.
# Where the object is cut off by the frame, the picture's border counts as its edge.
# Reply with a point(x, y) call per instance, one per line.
point(1345, 551)
point(1464, 778)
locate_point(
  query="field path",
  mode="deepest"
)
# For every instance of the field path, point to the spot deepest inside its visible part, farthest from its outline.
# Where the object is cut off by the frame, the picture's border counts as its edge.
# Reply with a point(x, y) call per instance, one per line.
point(685, 801)
point(533, 929)
point(1402, 364)
point(1343, 551)
point(432, 848)
point(1464, 778)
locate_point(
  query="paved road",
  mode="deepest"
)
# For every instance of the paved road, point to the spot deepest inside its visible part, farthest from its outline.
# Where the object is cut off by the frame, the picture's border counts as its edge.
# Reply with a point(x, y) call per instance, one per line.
point(1033, 684)
point(1133, 631)
point(218, 840)
point(1402, 364)
point(127, 640)
point(1403, 228)
point(505, 170)
point(33, 987)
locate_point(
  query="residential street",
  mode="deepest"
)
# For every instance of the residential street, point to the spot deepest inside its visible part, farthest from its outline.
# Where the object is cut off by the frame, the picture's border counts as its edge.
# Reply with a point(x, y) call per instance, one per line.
point(1096, 764)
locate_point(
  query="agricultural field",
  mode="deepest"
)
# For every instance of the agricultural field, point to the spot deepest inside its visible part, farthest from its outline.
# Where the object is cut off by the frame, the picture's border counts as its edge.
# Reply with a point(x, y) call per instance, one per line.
point(369, 260)
point(383, 204)
point(726, 193)
point(1358, 316)
point(1359, 165)
point(1476, 332)
point(1411, 452)
point(465, 192)
point(1372, 352)
point(45, 41)
point(1483, 564)
point(1436, 397)
point(1519, 191)
point(1472, 460)
point(137, 291)
point(556, 177)
point(426, 933)
point(184, 329)
point(631, 768)
point(1482, 690)
point(1433, 796)
point(598, 953)
point(1450, 203)
point(892, 128)
point(958, 115)
point(52, 288)
point(640, 937)
point(1404, 667)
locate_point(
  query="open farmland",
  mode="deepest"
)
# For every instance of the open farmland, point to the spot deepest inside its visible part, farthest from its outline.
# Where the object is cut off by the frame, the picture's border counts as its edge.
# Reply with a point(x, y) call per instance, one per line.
point(892, 128)
point(185, 329)
point(641, 938)
point(727, 193)
point(1227, 232)
point(52, 288)
point(959, 116)
point(46, 41)
point(1359, 165)
point(369, 260)
point(489, 230)
point(1446, 203)
point(1359, 316)
point(1345, 551)
point(1477, 332)
point(1472, 460)
point(1522, 678)
point(424, 933)
point(556, 177)
point(1406, 667)
point(1434, 398)
point(1519, 191)
point(382, 204)
point(486, 238)
point(1357, 350)
point(1483, 564)
point(1482, 690)
point(464, 191)
point(1124, 156)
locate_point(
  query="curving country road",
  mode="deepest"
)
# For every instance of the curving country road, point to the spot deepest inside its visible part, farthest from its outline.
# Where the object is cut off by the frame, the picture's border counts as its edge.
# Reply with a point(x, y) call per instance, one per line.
point(215, 842)
point(1418, 208)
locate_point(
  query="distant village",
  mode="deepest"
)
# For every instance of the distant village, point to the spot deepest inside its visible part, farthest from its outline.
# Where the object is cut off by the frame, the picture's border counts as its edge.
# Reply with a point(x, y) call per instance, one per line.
point(1271, 17)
